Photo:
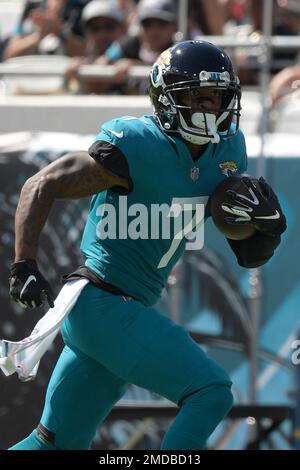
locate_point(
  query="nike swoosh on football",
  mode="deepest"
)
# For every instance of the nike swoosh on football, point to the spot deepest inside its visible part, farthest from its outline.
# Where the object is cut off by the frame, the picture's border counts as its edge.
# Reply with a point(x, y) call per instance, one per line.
point(275, 216)
point(117, 134)
point(28, 281)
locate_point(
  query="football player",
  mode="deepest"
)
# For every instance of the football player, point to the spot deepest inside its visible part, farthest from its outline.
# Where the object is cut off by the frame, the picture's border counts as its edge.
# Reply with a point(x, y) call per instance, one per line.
point(114, 336)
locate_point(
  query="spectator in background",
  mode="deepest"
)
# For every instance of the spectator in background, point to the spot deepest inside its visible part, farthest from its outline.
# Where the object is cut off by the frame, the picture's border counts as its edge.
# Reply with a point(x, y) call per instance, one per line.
point(129, 8)
point(289, 16)
point(284, 23)
point(285, 82)
point(207, 17)
point(44, 28)
point(71, 13)
point(158, 23)
point(103, 22)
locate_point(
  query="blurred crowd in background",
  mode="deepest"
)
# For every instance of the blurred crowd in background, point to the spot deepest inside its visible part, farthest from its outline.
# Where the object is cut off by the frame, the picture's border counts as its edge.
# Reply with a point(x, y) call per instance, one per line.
point(124, 33)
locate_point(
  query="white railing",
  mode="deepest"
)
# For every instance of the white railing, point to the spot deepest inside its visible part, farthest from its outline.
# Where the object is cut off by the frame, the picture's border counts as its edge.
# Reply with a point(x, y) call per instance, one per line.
point(37, 66)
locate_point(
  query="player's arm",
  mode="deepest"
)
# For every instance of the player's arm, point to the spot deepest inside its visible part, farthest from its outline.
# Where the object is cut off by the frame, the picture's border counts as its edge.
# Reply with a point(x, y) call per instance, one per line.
point(268, 219)
point(73, 176)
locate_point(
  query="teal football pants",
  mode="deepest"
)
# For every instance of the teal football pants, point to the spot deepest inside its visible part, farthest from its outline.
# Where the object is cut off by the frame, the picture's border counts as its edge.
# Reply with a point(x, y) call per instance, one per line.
point(112, 341)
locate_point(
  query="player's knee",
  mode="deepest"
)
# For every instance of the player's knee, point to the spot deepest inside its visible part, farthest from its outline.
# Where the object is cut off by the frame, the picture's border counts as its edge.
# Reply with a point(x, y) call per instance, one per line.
point(223, 399)
point(216, 398)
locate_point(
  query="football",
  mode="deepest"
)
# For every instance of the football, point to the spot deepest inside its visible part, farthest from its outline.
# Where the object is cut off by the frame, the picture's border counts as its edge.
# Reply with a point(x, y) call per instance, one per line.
point(219, 197)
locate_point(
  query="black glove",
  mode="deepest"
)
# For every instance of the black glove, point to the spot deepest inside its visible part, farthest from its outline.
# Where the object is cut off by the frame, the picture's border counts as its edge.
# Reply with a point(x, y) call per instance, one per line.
point(263, 211)
point(28, 286)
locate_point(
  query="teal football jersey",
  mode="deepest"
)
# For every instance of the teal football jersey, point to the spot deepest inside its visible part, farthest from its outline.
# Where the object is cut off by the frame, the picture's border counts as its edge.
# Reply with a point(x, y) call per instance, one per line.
point(134, 241)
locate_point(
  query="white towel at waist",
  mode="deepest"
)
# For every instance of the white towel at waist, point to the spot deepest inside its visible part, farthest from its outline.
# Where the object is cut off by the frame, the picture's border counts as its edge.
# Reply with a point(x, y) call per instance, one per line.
point(24, 356)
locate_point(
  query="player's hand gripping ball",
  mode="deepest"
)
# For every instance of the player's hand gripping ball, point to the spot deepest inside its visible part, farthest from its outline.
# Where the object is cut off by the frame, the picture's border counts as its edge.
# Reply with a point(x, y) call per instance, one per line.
point(241, 205)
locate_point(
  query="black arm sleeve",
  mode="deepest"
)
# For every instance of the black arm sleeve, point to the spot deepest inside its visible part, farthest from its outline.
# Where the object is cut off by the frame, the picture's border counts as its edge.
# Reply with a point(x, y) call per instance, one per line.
point(256, 250)
point(113, 160)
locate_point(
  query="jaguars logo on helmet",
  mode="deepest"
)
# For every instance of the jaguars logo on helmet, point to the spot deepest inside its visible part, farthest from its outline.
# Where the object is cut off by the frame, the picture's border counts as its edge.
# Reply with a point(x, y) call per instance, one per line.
point(161, 65)
point(185, 67)
point(165, 58)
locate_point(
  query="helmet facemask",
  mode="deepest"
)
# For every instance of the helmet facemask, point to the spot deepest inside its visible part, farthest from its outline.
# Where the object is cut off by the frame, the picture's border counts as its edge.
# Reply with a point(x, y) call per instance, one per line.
point(202, 125)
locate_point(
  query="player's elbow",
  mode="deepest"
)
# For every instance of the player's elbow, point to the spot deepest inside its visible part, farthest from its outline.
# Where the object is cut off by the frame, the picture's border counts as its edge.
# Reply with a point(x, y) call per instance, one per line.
point(39, 185)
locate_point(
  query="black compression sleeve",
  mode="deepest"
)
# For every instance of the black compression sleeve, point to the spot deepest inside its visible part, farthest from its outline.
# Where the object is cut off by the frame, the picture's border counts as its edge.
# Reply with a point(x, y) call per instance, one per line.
point(113, 160)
